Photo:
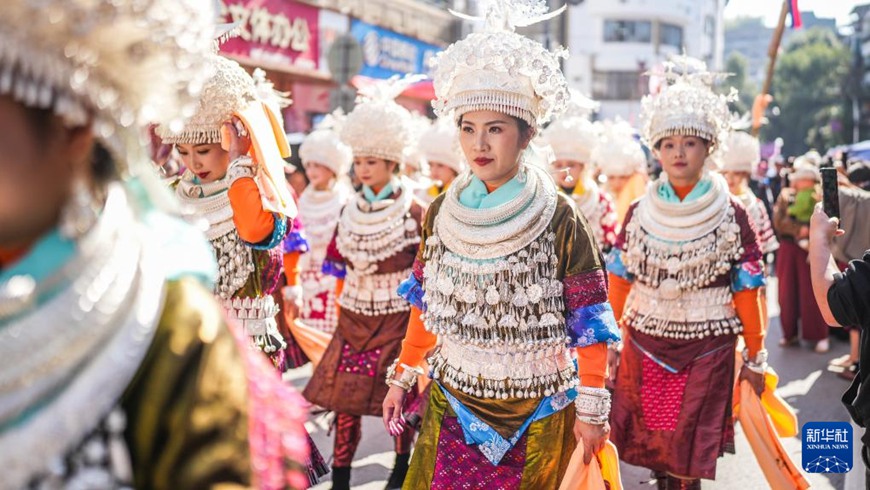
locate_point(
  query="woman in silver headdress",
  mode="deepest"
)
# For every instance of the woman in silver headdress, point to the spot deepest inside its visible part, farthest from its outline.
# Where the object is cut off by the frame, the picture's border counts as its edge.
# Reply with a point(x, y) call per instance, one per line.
point(371, 252)
point(573, 139)
point(508, 279)
point(231, 182)
point(685, 279)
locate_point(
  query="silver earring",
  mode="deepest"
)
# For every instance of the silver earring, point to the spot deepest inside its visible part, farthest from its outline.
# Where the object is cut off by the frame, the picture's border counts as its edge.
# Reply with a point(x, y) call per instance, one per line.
point(79, 214)
point(521, 174)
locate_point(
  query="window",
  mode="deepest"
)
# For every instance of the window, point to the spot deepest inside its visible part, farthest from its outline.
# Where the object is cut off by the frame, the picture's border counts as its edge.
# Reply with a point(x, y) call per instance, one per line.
point(616, 85)
point(671, 35)
point(627, 31)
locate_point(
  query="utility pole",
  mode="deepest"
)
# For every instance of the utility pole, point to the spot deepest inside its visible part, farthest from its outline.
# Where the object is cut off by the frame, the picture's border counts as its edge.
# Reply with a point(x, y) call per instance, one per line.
point(762, 99)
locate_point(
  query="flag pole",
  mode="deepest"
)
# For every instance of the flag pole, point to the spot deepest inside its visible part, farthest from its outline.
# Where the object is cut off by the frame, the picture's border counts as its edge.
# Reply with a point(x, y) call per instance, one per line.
point(761, 101)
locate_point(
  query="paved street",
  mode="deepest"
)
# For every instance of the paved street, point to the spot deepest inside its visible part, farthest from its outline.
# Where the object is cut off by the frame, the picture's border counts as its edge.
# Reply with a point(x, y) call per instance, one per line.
point(806, 383)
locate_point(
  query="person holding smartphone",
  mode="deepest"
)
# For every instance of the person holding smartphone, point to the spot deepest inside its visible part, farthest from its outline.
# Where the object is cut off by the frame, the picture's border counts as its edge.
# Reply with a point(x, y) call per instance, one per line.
point(843, 301)
point(791, 219)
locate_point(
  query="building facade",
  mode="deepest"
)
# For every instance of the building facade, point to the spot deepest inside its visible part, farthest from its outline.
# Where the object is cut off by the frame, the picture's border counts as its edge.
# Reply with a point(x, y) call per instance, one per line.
point(613, 43)
point(290, 40)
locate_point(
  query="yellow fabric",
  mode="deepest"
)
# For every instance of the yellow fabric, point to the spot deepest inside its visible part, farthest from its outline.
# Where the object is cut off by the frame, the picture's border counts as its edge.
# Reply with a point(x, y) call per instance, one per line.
point(603, 468)
point(268, 149)
point(634, 188)
point(312, 341)
point(781, 414)
point(776, 464)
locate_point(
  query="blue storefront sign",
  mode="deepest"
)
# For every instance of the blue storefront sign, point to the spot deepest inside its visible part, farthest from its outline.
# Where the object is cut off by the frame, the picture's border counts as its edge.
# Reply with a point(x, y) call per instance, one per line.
point(387, 53)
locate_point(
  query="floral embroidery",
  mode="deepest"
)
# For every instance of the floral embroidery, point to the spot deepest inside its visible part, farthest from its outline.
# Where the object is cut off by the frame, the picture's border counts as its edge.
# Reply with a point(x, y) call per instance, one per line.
point(748, 275)
point(592, 324)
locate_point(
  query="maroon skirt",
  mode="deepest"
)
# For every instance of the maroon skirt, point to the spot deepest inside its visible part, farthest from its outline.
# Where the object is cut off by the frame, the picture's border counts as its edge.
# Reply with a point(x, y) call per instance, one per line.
point(351, 376)
point(672, 404)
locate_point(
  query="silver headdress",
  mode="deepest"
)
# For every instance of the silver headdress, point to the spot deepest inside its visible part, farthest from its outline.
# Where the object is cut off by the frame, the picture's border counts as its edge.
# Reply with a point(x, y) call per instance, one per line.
point(618, 152)
point(378, 126)
point(686, 105)
point(229, 91)
point(500, 70)
point(440, 143)
point(573, 136)
point(324, 147)
point(121, 64)
point(740, 153)
point(223, 30)
point(415, 158)
point(806, 166)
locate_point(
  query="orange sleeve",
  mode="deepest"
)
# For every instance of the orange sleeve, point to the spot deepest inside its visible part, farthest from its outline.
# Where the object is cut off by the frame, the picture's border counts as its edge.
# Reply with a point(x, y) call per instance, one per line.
point(291, 267)
point(592, 364)
point(253, 223)
point(617, 294)
point(418, 342)
point(339, 287)
point(751, 314)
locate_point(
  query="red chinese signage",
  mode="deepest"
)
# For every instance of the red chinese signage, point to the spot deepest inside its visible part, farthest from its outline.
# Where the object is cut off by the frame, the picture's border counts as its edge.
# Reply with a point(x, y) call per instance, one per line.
point(276, 32)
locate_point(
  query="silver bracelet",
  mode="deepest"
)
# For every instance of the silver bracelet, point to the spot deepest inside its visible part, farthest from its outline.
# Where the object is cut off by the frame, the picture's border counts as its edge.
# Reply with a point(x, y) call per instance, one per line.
point(586, 419)
point(757, 365)
point(400, 384)
point(592, 405)
point(407, 379)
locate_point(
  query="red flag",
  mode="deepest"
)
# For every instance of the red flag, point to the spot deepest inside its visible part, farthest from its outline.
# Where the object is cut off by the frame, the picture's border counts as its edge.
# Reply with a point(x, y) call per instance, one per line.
point(795, 13)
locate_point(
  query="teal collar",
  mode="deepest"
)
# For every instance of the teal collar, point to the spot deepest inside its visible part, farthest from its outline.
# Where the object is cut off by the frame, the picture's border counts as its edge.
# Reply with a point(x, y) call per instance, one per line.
point(476, 196)
point(386, 192)
point(668, 194)
point(47, 256)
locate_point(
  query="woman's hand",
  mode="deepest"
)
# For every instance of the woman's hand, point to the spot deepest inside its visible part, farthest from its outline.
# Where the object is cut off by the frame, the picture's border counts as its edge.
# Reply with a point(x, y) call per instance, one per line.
point(823, 228)
point(756, 380)
point(240, 140)
point(593, 438)
point(394, 420)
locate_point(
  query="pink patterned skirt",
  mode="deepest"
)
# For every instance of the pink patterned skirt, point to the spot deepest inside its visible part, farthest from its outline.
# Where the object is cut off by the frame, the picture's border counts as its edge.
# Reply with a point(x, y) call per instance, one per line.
point(443, 460)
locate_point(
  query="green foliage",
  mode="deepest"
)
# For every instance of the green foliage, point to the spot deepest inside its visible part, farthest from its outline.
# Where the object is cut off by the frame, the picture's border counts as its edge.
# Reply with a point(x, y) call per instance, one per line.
point(737, 66)
point(808, 88)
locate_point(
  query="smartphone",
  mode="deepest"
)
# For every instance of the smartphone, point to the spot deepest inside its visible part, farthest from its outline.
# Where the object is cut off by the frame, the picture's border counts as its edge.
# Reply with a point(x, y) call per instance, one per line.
point(830, 192)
